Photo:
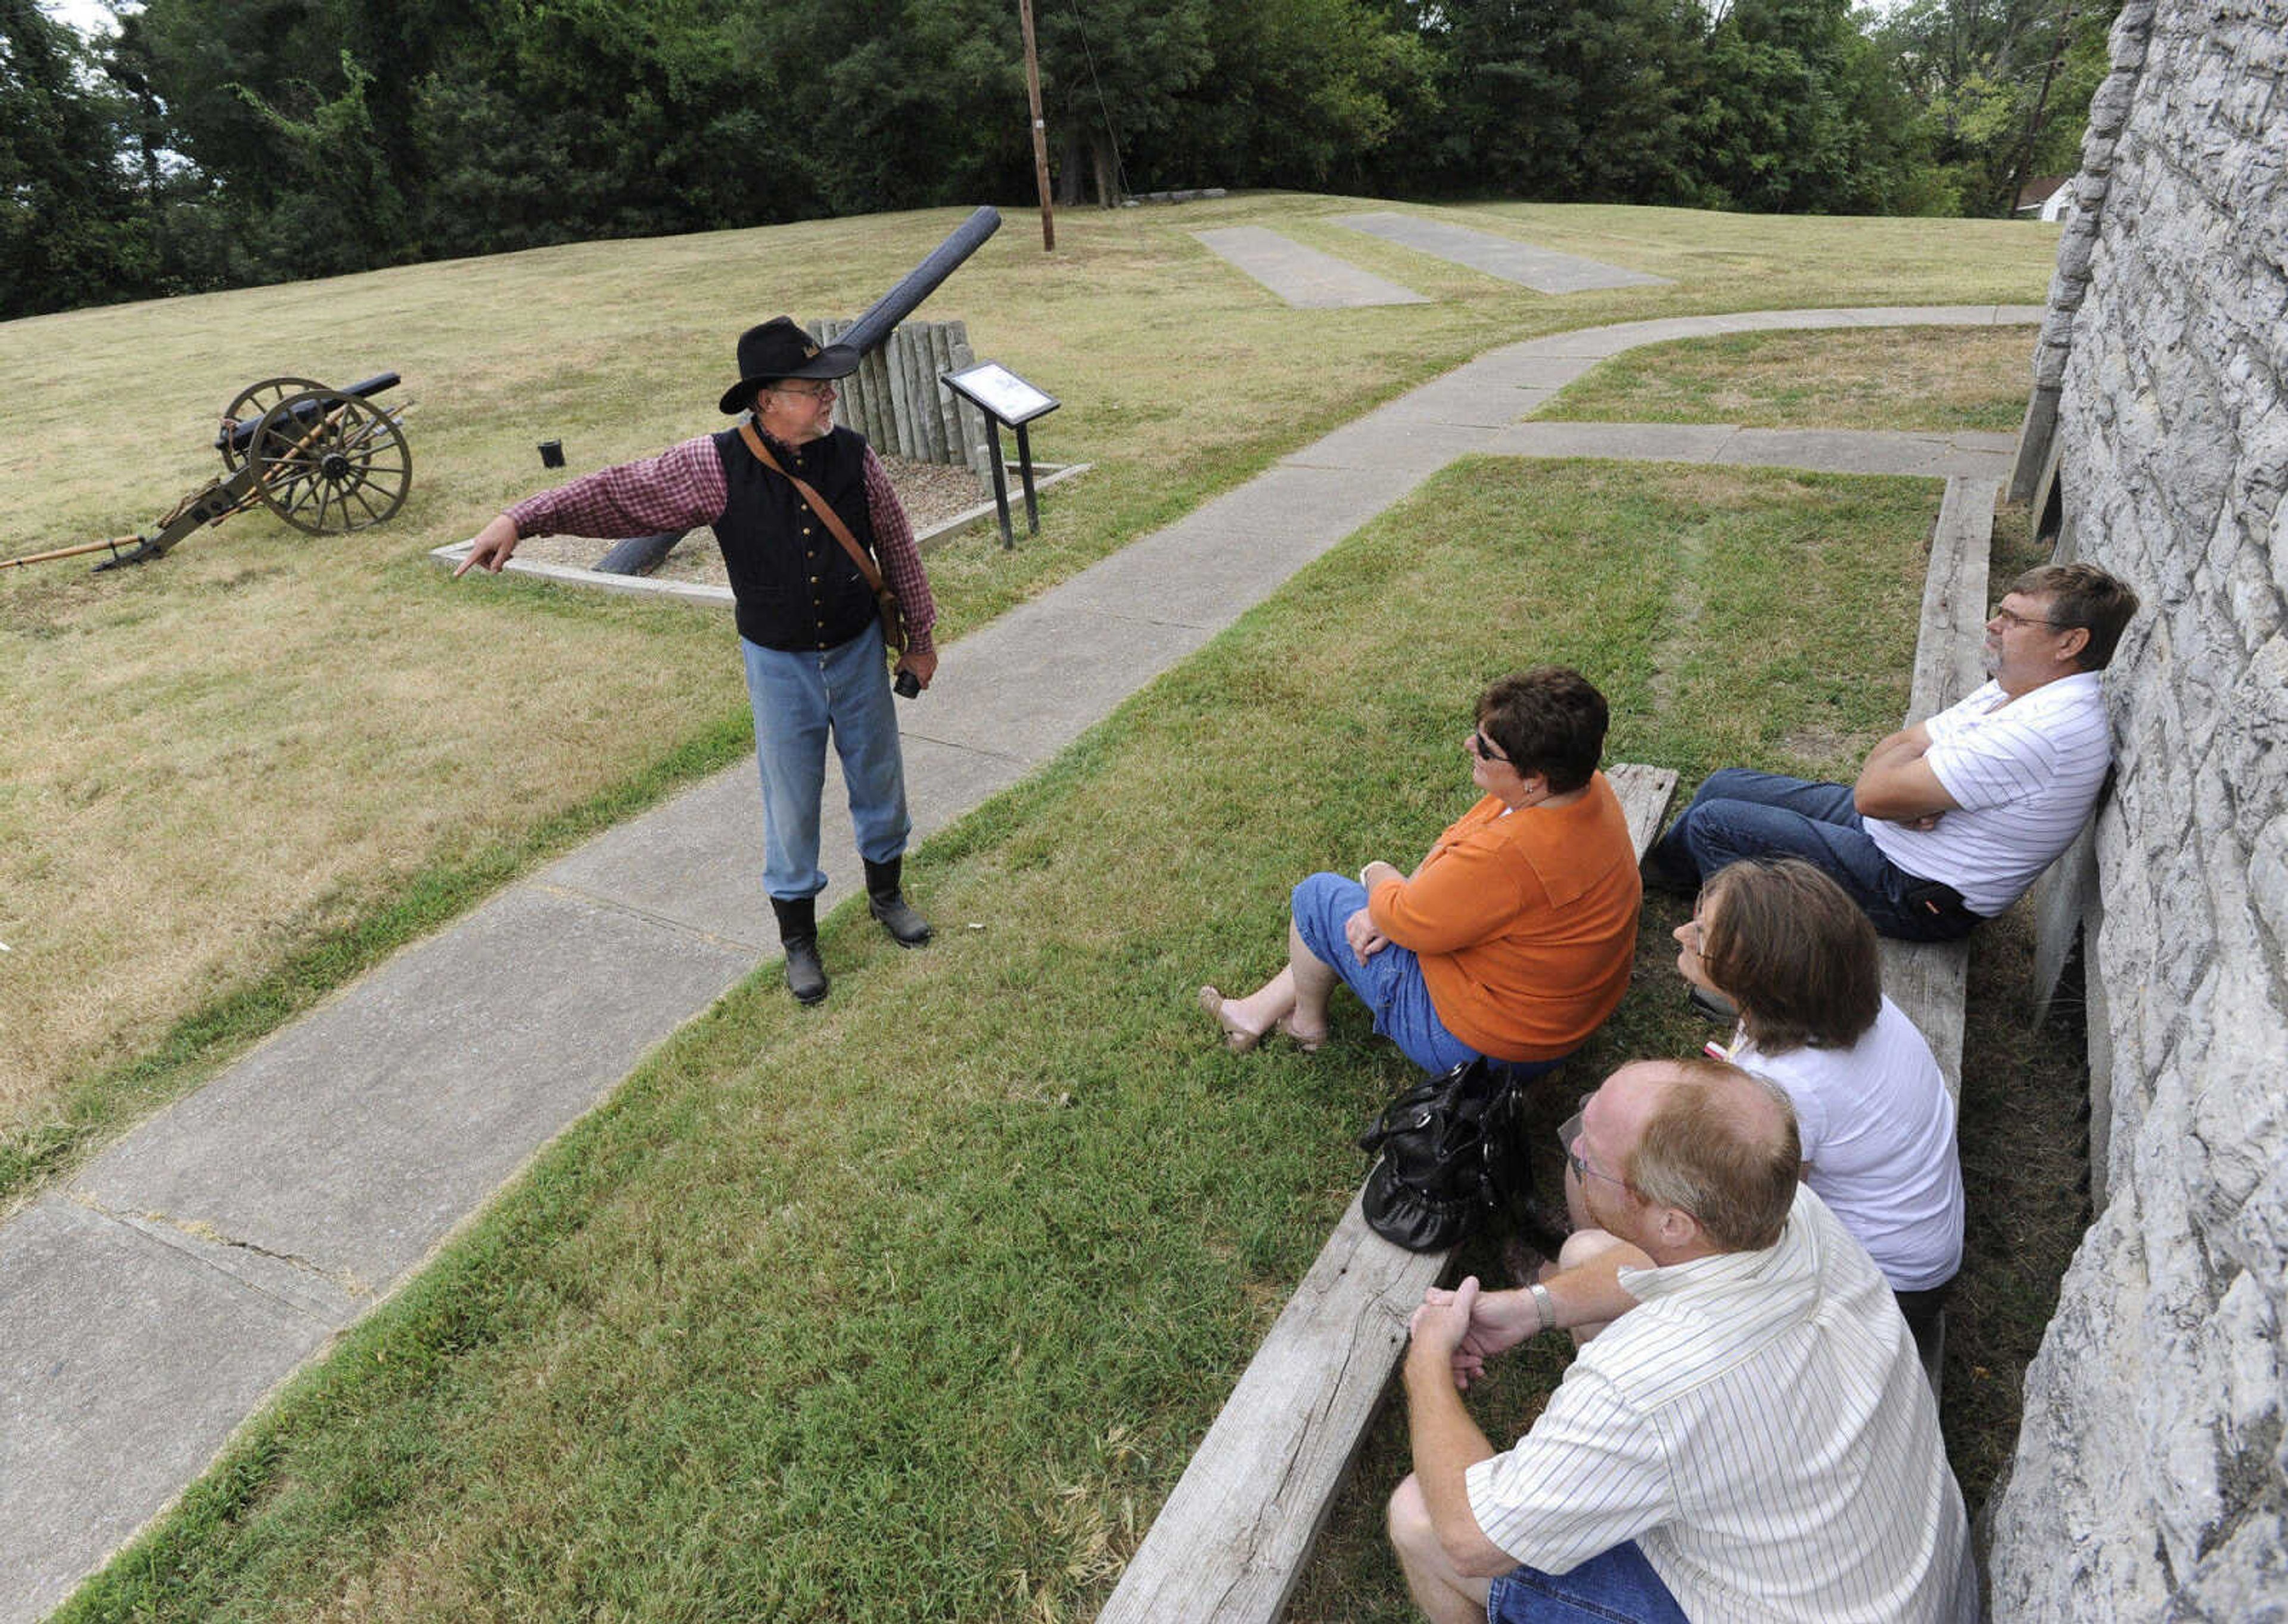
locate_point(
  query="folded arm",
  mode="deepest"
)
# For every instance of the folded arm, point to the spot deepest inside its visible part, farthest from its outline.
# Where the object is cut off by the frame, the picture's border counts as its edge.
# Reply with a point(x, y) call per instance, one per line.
point(1896, 783)
point(1466, 895)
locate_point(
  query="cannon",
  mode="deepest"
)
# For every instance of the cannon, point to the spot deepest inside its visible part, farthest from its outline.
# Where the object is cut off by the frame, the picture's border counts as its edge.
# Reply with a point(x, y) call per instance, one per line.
point(640, 555)
point(326, 461)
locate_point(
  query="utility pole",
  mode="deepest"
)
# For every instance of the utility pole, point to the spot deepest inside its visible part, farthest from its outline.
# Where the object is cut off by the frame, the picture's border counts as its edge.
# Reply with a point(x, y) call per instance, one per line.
point(1040, 130)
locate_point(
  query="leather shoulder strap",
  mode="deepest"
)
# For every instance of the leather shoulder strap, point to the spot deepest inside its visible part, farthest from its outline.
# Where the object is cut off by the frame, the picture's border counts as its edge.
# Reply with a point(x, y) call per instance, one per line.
point(818, 505)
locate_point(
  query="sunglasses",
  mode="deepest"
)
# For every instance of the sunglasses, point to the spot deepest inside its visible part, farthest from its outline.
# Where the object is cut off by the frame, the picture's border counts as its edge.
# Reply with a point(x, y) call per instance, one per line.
point(1485, 750)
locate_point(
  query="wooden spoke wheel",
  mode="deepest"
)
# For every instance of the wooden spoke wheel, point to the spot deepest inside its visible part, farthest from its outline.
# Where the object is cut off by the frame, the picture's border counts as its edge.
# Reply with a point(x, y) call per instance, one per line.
point(252, 405)
point(329, 463)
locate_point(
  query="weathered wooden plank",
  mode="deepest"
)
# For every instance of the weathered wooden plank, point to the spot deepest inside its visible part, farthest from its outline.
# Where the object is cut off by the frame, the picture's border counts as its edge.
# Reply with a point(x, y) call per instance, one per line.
point(1927, 980)
point(1231, 1541)
point(1948, 647)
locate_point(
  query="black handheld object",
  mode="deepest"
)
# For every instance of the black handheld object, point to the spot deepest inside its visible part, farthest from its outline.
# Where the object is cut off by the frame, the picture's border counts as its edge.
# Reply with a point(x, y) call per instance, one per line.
point(907, 686)
point(872, 331)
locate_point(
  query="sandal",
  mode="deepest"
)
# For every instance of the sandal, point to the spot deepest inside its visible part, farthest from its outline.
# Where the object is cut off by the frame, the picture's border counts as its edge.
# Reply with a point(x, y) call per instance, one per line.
point(1236, 1038)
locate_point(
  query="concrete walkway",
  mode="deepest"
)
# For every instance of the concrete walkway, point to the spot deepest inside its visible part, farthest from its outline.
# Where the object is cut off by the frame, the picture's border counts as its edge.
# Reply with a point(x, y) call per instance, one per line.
point(1304, 277)
point(148, 1305)
point(1542, 269)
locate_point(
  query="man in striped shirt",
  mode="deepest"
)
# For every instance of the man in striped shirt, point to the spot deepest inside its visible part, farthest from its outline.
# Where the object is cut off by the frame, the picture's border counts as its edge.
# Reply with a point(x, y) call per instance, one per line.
point(1953, 817)
point(1746, 1434)
point(783, 493)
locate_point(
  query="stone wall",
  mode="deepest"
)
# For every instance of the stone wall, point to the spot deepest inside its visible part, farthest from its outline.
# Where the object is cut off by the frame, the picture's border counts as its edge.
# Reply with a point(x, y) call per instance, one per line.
point(2151, 1476)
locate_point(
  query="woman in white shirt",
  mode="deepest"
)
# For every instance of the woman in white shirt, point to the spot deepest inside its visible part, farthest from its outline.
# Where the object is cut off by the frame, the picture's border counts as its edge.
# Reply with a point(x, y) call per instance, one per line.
point(1783, 942)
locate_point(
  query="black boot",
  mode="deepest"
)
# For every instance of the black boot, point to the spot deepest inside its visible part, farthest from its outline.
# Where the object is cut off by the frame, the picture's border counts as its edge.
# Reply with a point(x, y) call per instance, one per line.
point(885, 902)
point(805, 974)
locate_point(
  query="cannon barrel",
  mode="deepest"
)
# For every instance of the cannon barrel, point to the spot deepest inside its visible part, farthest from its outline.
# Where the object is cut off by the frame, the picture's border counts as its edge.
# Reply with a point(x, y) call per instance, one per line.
point(238, 439)
point(872, 331)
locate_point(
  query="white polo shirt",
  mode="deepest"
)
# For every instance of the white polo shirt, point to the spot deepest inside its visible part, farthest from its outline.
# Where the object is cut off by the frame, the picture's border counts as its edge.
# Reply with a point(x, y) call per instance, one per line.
point(1877, 1129)
point(1761, 1426)
point(2023, 775)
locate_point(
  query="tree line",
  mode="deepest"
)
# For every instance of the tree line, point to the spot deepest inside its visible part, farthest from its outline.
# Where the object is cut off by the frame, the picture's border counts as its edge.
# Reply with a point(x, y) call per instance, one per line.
point(207, 144)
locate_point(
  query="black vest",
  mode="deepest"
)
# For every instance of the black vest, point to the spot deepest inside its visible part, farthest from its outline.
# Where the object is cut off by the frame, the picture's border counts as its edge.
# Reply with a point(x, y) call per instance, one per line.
point(796, 587)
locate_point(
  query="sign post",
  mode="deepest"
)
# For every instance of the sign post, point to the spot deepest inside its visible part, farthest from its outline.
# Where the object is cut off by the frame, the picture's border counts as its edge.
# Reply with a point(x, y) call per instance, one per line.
point(1005, 398)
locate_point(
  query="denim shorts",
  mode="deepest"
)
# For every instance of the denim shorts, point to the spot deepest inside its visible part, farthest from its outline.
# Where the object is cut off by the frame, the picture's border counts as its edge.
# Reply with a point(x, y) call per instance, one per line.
point(1389, 983)
point(1613, 1586)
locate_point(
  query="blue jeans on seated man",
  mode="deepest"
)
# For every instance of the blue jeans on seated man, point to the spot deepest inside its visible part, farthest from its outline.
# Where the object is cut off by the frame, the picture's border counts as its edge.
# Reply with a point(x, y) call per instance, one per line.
point(1389, 983)
point(799, 698)
point(1614, 1587)
point(1738, 813)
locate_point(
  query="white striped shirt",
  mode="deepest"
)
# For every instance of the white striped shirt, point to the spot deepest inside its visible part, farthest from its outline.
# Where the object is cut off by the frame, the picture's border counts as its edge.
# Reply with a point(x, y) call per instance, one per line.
point(2024, 776)
point(1761, 1426)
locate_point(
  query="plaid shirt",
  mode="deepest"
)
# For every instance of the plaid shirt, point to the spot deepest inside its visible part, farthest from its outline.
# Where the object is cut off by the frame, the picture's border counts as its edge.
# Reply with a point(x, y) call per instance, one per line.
point(683, 487)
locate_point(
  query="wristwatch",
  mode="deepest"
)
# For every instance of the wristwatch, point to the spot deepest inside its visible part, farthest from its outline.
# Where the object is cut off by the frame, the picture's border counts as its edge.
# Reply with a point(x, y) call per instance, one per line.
point(1545, 1305)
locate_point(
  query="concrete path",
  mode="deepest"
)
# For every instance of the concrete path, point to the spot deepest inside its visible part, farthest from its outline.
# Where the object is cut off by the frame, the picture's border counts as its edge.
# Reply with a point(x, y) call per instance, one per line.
point(1304, 277)
point(1543, 269)
point(148, 1305)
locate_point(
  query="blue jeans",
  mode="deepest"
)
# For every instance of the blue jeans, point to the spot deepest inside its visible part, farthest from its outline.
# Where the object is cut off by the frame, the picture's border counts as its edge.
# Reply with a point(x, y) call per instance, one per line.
point(1389, 983)
point(799, 698)
point(1614, 1587)
point(1739, 813)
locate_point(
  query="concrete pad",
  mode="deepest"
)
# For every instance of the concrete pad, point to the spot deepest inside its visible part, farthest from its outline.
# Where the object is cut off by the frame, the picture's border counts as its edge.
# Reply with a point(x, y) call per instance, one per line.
point(1937, 315)
point(1324, 503)
point(357, 1136)
point(696, 861)
point(1520, 369)
point(1543, 269)
point(1461, 400)
point(1047, 672)
point(1304, 277)
point(945, 782)
point(1200, 576)
point(1391, 439)
point(1643, 442)
point(1863, 451)
point(124, 1365)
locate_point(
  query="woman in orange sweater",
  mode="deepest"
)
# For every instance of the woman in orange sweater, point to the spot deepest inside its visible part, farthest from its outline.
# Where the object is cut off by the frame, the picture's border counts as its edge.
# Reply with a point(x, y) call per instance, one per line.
point(1512, 939)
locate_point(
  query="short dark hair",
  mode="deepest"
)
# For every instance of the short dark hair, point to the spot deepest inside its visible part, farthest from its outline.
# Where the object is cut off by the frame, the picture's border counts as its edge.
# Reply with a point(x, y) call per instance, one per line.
point(1706, 1149)
point(2082, 595)
point(1781, 940)
point(1550, 720)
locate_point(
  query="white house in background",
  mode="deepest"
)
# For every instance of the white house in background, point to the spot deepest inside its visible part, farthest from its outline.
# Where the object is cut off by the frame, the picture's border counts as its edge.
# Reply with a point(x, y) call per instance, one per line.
point(2046, 197)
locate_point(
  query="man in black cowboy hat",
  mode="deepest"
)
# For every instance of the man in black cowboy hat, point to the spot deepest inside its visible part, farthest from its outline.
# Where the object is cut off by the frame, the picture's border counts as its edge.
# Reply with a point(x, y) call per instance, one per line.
point(775, 491)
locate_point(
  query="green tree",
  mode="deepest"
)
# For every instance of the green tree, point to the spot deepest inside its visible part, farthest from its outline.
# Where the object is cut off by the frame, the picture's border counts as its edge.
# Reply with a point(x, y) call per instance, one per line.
point(2004, 85)
point(1799, 112)
point(1555, 99)
point(1297, 90)
point(69, 227)
point(1116, 78)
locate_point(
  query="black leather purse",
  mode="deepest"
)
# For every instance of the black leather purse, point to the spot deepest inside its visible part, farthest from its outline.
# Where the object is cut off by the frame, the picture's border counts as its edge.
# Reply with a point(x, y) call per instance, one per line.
point(1450, 1158)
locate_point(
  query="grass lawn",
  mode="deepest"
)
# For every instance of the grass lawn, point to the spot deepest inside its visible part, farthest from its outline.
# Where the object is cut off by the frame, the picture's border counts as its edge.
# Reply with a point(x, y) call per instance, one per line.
point(914, 1307)
point(232, 779)
point(1900, 377)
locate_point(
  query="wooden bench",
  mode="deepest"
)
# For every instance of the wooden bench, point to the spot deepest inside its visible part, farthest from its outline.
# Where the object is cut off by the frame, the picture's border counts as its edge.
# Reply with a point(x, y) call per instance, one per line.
point(1231, 1541)
point(1928, 980)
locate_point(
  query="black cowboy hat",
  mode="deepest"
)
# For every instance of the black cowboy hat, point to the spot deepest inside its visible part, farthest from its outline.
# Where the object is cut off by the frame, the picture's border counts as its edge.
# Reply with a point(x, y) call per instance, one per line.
point(778, 349)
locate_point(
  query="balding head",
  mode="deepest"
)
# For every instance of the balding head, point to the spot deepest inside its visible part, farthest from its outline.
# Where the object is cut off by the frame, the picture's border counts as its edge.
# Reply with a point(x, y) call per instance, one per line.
point(1717, 1144)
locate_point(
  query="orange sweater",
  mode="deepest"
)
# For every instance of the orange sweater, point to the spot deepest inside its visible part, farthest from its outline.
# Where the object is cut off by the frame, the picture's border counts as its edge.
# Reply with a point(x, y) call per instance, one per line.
point(1526, 924)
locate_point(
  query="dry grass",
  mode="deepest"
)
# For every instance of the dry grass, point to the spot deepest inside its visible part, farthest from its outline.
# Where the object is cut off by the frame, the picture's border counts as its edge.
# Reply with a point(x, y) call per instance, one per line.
point(1906, 377)
point(215, 763)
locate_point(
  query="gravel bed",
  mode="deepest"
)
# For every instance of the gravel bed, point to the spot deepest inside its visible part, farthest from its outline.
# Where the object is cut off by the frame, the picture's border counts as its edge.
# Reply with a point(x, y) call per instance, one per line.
point(930, 492)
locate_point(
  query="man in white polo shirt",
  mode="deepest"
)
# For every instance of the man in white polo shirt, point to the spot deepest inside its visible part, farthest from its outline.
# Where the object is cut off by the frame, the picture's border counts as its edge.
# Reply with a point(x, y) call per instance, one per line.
point(1746, 1434)
point(1952, 818)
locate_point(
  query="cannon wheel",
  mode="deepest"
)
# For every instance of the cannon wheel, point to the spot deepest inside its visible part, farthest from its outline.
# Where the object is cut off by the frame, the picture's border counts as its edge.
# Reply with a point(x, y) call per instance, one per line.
point(327, 463)
point(253, 404)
